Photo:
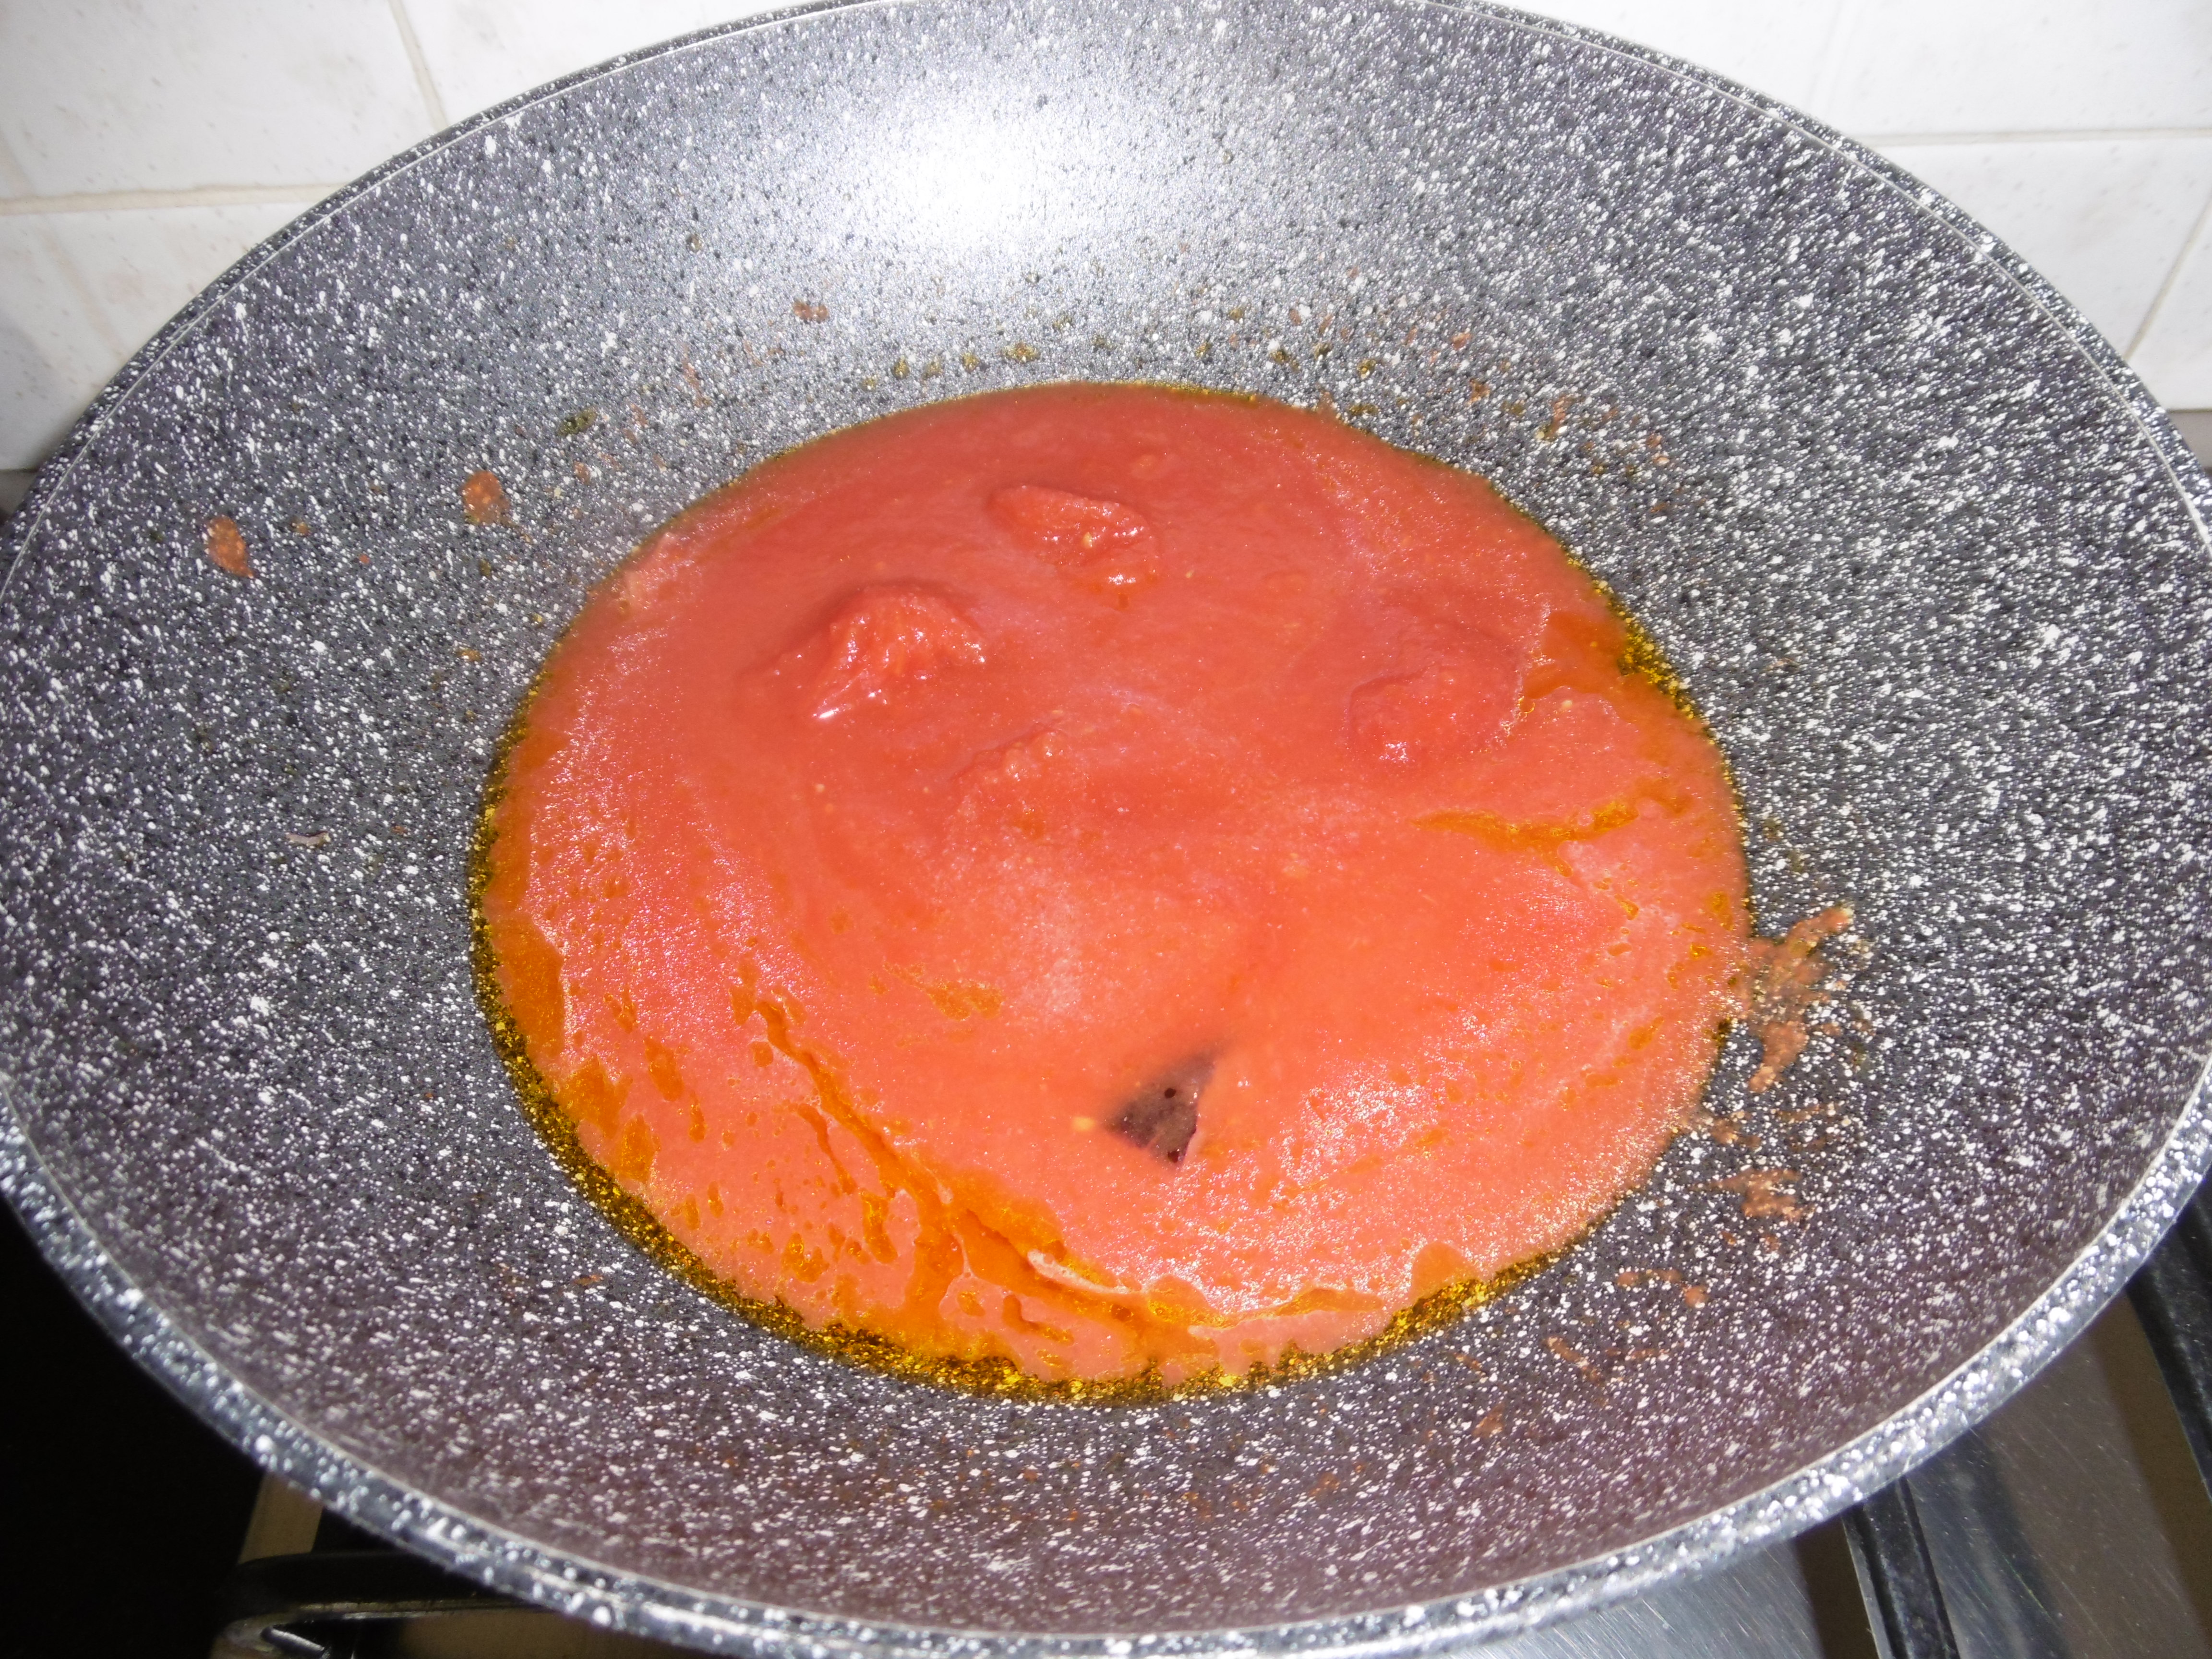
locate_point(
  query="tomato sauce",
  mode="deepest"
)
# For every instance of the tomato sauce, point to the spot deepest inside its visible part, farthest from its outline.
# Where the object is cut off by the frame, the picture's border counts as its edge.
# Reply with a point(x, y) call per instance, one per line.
point(1109, 883)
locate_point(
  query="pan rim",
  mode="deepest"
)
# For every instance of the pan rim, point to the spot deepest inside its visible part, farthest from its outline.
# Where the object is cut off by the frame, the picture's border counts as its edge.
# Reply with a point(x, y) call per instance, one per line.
point(614, 1598)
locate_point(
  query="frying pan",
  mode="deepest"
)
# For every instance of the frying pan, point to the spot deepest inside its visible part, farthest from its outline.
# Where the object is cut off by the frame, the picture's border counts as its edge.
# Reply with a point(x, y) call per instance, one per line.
point(1925, 554)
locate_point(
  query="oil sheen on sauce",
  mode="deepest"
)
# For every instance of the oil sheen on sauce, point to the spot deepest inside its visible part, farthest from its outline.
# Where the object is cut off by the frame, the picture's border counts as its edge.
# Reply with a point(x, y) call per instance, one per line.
point(1096, 889)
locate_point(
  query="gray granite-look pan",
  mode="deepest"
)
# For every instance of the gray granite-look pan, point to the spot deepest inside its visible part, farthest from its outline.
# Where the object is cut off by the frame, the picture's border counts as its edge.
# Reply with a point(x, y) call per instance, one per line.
point(1922, 548)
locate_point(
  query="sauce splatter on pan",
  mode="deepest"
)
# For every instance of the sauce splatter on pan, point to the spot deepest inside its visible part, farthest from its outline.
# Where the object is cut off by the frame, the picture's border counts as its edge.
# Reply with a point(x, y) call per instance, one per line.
point(225, 548)
point(483, 500)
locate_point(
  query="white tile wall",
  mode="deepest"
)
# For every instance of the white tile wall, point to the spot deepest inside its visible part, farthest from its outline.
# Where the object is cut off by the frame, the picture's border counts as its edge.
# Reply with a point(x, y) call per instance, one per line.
point(55, 351)
point(144, 144)
point(2176, 353)
point(1777, 46)
point(139, 267)
point(103, 95)
point(480, 52)
point(2014, 66)
point(2104, 219)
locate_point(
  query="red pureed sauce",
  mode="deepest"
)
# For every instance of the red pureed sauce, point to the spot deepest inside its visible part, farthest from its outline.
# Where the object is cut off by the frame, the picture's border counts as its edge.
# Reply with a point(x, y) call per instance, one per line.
point(1110, 886)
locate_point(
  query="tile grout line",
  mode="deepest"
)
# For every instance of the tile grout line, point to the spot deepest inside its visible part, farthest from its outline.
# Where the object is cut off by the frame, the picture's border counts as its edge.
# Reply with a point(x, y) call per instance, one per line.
point(424, 80)
point(2191, 245)
point(112, 201)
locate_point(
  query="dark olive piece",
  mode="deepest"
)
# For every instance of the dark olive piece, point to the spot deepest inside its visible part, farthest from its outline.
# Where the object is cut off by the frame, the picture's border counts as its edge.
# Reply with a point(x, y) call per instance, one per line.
point(1162, 1116)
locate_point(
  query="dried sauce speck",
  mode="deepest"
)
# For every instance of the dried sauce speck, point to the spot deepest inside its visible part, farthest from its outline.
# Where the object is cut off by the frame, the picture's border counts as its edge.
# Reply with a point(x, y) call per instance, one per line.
point(226, 546)
point(1574, 1356)
point(1728, 1131)
point(483, 499)
point(1818, 1109)
point(1764, 1193)
point(1786, 981)
point(810, 310)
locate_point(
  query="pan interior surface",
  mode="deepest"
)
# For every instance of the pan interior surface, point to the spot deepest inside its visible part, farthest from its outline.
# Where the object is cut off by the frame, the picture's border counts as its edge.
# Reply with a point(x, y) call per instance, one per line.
point(1917, 545)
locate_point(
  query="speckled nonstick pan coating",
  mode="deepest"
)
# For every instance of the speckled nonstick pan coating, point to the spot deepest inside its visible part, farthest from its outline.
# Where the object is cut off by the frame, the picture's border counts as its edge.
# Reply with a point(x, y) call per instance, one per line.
point(1925, 552)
